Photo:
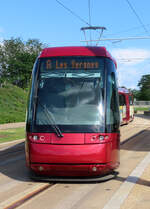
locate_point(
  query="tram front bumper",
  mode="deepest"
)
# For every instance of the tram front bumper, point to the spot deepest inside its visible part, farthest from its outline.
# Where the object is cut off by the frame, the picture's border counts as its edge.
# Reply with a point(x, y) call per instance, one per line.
point(71, 160)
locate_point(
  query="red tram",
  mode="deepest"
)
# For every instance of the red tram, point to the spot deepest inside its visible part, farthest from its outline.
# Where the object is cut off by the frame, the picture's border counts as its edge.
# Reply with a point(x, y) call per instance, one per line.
point(73, 113)
point(126, 106)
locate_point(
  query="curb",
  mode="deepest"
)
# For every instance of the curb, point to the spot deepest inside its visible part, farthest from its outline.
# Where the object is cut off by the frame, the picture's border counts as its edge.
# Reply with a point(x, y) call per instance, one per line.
point(11, 142)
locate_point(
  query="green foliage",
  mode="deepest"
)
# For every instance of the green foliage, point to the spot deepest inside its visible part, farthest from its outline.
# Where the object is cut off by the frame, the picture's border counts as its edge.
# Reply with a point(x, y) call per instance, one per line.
point(17, 59)
point(12, 104)
point(136, 93)
point(144, 85)
point(143, 94)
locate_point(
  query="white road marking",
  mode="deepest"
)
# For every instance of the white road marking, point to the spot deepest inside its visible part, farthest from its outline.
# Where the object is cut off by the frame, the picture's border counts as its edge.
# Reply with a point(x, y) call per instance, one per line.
point(122, 193)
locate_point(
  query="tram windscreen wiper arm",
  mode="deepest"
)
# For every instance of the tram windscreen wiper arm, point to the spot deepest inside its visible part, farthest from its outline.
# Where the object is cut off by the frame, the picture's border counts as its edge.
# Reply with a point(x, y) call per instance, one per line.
point(50, 116)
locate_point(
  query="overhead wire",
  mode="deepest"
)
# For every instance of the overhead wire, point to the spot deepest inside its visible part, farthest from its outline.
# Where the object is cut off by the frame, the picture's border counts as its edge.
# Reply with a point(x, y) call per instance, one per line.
point(89, 6)
point(133, 58)
point(142, 25)
point(89, 24)
point(77, 16)
point(73, 13)
point(127, 30)
point(138, 17)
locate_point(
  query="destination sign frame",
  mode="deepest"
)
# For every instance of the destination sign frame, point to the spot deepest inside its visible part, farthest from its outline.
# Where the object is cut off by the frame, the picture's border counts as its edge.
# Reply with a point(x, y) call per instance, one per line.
point(72, 63)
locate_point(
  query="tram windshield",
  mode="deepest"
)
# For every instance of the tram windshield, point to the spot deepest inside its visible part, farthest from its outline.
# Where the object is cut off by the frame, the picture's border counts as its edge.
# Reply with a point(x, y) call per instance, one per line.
point(74, 94)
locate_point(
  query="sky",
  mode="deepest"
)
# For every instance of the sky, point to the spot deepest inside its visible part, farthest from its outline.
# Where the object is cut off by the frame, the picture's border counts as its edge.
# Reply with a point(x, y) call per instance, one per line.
point(54, 25)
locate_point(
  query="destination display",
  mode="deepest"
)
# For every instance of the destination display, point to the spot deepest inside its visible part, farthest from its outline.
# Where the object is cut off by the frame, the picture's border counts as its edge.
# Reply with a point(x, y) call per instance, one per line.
point(70, 64)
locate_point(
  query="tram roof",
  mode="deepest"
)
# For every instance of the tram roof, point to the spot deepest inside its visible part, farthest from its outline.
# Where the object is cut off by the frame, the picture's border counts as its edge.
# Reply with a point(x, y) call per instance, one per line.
point(77, 51)
point(123, 90)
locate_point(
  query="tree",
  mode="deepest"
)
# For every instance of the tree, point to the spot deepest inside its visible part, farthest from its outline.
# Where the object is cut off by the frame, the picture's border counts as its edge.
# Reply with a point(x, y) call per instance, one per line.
point(17, 59)
point(144, 85)
point(136, 93)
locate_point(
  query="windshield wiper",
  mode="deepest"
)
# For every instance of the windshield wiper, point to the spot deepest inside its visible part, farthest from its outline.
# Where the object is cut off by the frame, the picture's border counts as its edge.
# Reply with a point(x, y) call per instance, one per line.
point(51, 119)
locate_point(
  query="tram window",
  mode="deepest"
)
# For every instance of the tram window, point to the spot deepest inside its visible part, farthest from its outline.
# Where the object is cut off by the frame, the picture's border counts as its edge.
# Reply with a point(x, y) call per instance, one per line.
point(122, 101)
point(66, 96)
point(113, 117)
point(113, 97)
point(130, 100)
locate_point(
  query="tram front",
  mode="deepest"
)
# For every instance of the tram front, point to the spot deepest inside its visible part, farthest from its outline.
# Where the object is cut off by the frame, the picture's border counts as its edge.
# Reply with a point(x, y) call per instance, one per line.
point(73, 116)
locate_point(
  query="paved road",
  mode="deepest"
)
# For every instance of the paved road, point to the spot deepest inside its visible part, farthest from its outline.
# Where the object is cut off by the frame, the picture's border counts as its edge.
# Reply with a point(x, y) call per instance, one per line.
point(131, 189)
point(12, 125)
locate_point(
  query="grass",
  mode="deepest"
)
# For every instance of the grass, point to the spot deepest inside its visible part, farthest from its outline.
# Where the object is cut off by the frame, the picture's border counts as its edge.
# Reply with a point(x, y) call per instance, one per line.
point(12, 104)
point(12, 134)
point(141, 108)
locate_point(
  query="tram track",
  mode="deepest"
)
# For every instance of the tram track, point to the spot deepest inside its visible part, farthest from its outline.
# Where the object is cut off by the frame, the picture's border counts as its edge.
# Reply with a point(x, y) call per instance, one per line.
point(17, 201)
point(20, 199)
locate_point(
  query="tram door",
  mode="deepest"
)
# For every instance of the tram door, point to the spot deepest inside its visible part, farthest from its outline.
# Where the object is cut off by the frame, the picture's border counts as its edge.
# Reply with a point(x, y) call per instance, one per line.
point(123, 108)
point(131, 109)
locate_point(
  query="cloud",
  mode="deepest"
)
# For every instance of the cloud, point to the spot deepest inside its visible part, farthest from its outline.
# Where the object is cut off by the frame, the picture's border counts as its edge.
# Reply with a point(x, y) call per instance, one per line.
point(132, 64)
point(129, 77)
point(131, 56)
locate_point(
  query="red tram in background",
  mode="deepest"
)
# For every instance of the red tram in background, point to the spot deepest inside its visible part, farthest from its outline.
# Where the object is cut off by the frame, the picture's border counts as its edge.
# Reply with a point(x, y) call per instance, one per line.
point(73, 113)
point(126, 106)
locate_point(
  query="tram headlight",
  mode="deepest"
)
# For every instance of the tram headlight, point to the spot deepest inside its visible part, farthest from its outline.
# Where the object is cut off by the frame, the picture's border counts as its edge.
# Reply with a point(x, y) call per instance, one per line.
point(97, 138)
point(101, 138)
point(39, 137)
point(35, 138)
